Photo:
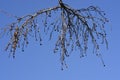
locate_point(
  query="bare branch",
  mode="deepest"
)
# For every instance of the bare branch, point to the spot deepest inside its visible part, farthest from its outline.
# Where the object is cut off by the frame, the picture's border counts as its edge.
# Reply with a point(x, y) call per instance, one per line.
point(75, 28)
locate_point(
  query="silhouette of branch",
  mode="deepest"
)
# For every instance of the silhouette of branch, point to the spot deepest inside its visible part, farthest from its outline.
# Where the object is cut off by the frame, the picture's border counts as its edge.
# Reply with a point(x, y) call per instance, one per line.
point(75, 27)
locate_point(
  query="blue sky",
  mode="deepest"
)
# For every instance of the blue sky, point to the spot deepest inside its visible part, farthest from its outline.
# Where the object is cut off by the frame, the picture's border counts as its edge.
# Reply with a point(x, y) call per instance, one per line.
point(39, 62)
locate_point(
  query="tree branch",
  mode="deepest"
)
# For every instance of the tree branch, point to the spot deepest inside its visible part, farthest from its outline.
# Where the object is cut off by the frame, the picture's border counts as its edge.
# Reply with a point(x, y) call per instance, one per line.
point(75, 28)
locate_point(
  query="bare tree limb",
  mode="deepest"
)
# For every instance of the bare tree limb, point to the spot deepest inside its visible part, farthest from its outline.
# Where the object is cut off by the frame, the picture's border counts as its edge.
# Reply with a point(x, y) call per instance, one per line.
point(75, 27)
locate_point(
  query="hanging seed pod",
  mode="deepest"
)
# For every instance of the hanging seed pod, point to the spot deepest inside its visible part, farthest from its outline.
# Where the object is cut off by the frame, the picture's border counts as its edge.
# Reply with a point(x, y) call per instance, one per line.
point(15, 34)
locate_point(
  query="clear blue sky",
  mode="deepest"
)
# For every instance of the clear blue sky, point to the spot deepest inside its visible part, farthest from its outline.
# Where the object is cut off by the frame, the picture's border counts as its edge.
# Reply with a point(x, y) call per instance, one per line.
point(39, 62)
